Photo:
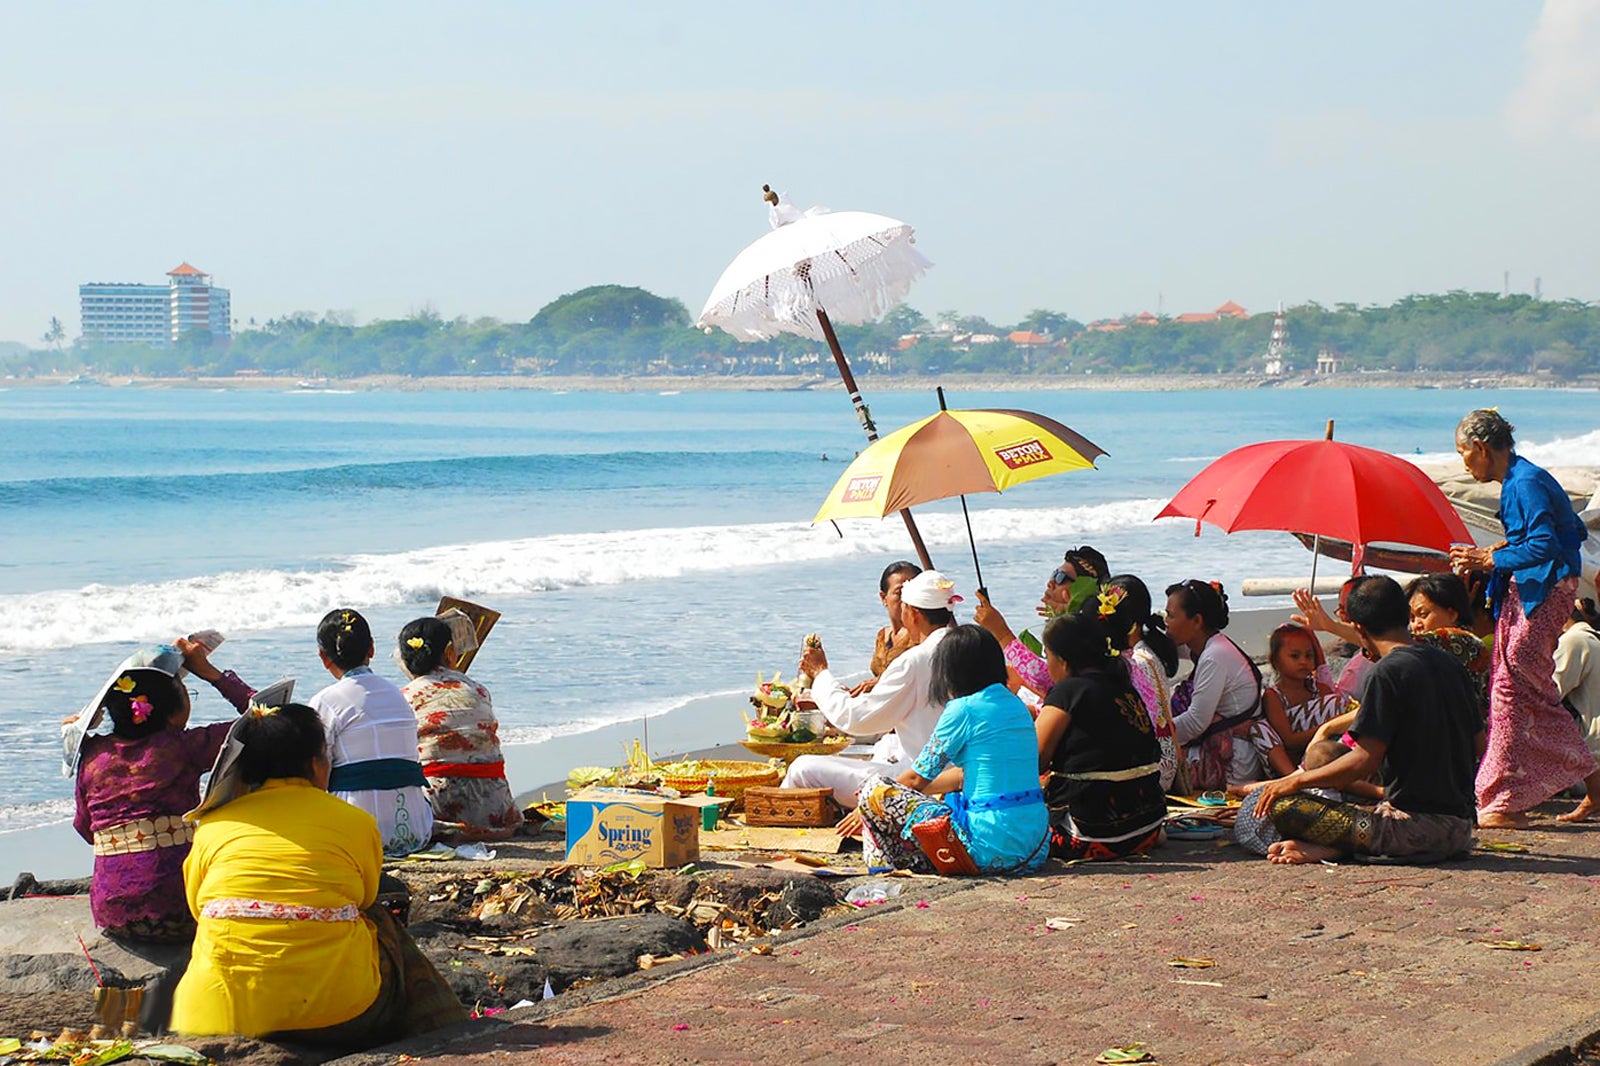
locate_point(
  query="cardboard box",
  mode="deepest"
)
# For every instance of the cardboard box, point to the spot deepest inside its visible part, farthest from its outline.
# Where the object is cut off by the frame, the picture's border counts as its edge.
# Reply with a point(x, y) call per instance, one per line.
point(612, 825)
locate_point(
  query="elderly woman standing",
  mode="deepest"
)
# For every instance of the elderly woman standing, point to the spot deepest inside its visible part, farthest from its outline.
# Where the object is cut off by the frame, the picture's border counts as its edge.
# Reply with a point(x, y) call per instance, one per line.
point(458, 739)
point(1535, 748)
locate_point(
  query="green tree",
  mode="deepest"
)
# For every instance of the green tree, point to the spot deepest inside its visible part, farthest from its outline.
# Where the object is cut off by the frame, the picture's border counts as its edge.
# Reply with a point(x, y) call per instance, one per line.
point(55, 334)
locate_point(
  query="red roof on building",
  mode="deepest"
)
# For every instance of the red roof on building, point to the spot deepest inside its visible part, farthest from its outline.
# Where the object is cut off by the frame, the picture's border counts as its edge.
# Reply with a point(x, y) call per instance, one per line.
point(1198, 316)
point(1145, 318)
point(186, 270)
point(1023, 336)
point(1233, 310)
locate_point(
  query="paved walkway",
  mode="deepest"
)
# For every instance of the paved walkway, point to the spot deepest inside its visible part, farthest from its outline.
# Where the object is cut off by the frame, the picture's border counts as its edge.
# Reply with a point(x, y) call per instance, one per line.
point(1334, 965)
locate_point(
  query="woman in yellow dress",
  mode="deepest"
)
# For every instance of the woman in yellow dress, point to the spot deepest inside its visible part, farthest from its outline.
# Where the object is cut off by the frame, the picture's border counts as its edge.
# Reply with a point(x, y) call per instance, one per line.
point(282, 881)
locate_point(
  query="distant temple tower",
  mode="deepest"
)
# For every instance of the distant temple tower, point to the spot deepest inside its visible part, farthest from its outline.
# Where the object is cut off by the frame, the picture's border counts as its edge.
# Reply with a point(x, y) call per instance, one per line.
point(1278, 346)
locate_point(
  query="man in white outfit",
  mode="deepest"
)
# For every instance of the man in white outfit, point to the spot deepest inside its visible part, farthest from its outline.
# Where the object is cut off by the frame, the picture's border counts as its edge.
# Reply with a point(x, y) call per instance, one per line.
point(898, 706)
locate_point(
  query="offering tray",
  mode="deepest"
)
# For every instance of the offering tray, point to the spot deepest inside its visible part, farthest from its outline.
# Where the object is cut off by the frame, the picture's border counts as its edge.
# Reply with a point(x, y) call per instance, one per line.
point(788, 751)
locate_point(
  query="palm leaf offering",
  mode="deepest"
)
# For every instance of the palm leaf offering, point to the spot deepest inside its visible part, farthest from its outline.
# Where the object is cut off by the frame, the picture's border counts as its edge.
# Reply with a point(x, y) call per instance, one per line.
point(1128, 1053)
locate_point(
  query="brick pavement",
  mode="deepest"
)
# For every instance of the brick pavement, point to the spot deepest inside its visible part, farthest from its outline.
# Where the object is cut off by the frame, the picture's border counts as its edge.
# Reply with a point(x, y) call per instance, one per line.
point(1338, 965)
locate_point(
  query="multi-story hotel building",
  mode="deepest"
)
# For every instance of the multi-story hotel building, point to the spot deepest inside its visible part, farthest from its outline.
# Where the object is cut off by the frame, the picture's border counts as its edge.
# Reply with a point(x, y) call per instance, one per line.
point(155, 314)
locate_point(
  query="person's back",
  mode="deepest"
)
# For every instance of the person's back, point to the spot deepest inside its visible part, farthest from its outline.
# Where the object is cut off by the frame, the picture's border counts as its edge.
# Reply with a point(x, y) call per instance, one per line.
point(1578, 677)
point(1420, 699)
point(369, 722)
point(278, 878)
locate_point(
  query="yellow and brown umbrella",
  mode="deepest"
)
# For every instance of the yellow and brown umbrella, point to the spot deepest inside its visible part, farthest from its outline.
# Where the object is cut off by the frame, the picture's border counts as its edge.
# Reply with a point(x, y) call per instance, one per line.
point(954, 453)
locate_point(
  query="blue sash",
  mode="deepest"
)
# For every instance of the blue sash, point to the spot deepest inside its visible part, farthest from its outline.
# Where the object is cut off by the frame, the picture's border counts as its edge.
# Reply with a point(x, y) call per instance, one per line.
point(376, 775)
point(1005, 800)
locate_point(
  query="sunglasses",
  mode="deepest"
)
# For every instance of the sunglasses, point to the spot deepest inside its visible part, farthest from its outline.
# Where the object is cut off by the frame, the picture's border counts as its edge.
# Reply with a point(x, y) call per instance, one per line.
point(1063, 576)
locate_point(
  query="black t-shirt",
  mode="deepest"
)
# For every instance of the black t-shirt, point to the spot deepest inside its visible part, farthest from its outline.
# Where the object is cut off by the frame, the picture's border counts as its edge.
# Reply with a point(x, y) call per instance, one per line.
point(1419, 701)
point(1109, 728)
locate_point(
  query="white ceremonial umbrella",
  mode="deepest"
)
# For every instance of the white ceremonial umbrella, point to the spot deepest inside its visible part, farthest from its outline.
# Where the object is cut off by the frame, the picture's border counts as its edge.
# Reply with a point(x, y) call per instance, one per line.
point(815, 268)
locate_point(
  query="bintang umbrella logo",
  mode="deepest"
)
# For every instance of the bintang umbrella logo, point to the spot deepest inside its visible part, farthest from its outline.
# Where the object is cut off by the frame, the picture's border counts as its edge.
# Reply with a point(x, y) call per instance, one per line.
point(1017, 456)
point(861, 489)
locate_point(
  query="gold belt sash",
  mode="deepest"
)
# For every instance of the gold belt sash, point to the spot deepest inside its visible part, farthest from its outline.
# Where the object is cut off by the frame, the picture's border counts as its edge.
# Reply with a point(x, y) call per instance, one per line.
point(143, 834)
point(1130, 774)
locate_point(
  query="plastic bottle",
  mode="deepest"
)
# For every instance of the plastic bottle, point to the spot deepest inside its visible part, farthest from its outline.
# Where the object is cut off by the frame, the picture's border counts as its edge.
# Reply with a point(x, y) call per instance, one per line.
point(708, 813)
point(870, 892)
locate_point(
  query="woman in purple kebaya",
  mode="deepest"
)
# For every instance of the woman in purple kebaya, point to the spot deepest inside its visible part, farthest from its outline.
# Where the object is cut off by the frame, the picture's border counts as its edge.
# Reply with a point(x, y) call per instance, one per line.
point(135, 784)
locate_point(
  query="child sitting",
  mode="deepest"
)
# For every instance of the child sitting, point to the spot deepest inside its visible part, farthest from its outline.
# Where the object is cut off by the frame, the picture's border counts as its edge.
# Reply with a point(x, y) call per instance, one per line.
point(1296, 704)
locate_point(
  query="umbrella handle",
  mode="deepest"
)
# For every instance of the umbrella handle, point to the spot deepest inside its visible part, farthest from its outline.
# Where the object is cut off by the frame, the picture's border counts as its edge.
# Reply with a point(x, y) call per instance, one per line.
point(976, 569)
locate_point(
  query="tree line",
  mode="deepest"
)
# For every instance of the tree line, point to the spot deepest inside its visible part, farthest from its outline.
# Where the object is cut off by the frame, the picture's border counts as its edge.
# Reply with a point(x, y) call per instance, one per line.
point(617, 330)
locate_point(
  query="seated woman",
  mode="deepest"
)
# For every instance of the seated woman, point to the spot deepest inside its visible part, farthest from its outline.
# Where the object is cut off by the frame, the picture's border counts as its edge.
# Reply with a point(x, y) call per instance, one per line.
point(283, 880)
point(1152, 660)
point(134, 786)
point(1215, 708)
point(980, 757)
point(458, 739)
point(1057, 599)
point(1441, 615)
point(1097, 746)
point(372, 736)
point(893, 640)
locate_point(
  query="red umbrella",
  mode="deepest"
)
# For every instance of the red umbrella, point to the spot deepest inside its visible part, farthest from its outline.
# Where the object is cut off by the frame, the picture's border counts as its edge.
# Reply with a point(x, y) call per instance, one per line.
point(1322, 488)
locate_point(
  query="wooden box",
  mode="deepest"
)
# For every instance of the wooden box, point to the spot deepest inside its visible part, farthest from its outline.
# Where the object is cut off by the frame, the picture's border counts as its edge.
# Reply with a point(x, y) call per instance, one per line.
point(809, 807)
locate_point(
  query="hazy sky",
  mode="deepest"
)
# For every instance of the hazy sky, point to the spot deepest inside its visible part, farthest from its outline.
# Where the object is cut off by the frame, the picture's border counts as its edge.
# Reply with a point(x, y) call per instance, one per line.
point(482, 159)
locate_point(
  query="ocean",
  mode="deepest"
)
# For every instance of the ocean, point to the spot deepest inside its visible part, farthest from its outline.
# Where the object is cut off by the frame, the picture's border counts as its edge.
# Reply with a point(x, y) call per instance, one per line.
point(646, 550)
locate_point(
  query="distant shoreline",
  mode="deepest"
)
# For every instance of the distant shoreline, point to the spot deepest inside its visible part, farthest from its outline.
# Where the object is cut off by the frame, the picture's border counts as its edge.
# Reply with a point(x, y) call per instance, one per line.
point(803, 382)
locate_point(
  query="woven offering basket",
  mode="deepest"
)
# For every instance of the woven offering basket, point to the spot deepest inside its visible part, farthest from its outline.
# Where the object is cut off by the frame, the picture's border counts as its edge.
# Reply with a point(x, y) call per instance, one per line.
point(731, 778)
point(788, 752)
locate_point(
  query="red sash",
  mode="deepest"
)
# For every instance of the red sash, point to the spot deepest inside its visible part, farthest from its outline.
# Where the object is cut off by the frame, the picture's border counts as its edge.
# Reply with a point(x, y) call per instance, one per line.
point(487, 770)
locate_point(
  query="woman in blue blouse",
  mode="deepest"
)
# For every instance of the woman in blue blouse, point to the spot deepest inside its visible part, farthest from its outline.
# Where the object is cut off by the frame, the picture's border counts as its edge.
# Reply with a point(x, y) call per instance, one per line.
point(982, 758)
point(1535, 748)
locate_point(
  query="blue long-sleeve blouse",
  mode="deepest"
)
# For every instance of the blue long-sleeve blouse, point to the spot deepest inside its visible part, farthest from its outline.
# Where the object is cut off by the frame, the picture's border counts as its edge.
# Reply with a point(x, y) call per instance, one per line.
point(1543, 534)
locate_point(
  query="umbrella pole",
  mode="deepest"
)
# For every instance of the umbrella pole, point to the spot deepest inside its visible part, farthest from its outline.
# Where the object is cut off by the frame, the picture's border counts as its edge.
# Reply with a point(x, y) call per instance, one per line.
point(1316, 538)
point(974, 544)
point(865, 418)
point(971, 540)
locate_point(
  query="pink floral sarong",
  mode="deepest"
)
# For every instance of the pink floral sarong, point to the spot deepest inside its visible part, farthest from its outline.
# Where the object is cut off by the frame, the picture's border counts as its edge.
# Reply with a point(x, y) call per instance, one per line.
point(1535, 747)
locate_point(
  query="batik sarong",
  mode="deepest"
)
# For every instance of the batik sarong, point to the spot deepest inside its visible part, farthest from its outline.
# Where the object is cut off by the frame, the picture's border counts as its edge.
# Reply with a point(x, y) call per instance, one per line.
point(1535, 748)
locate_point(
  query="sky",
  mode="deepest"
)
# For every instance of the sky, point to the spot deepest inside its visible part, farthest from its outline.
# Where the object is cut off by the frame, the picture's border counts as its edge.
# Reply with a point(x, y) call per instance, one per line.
point(1097, 159)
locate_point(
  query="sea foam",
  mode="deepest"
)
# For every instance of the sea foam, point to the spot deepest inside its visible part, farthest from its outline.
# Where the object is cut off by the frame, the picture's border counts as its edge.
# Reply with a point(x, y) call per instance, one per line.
point(272, 599)
point(1582, 450)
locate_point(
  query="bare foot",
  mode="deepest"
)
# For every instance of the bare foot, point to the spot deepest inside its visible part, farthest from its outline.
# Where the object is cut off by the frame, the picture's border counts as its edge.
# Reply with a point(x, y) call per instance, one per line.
point(1510, 820)
point(1586, 809)
point(1296, 852)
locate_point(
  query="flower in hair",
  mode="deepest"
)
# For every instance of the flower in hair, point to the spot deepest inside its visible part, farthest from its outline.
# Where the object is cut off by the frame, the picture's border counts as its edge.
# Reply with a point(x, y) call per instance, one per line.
point(1111, 649)
point(1110, 598)
point(123, 684)
point(416, 642)
point(141, 708)
point(259, 711)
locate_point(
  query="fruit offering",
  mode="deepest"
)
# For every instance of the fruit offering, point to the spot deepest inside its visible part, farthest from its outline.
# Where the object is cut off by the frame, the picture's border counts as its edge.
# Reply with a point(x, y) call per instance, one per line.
point(774, 695)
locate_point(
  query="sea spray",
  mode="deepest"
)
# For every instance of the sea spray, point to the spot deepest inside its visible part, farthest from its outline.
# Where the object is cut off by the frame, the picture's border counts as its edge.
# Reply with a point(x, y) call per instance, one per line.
point(275, 599)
